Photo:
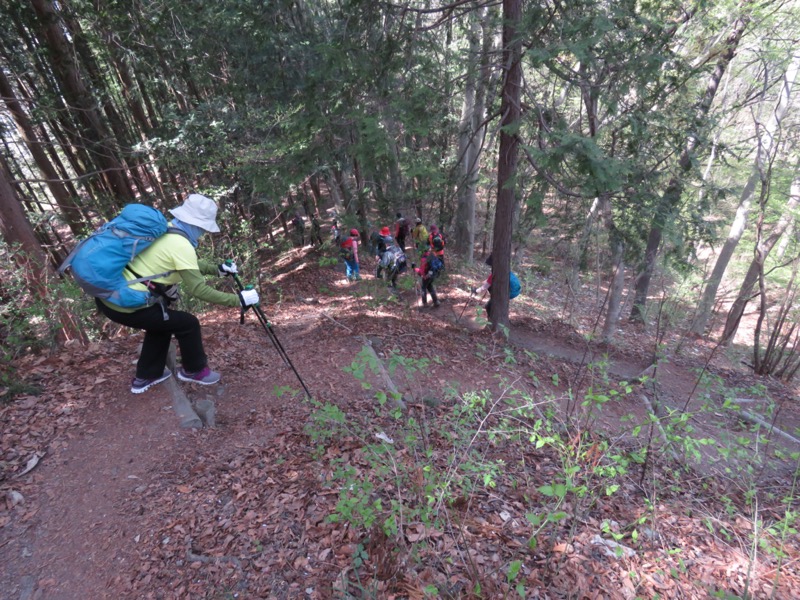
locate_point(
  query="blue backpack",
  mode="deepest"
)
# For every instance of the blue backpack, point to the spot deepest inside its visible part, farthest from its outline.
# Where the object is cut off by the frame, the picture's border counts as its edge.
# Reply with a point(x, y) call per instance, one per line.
point(98, 261)
point(435, 266)
point(514, 286)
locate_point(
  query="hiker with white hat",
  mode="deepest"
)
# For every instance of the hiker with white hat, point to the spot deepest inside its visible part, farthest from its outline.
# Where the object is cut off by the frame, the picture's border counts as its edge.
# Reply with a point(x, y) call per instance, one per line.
point(174, 258)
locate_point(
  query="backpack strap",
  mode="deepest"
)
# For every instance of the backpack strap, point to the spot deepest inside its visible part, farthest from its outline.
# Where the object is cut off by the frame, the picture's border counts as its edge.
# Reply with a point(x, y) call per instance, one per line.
point(140, 279)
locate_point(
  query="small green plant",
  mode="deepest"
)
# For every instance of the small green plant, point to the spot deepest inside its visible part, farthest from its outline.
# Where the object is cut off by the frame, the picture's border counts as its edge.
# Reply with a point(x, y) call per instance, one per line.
point(328, 261)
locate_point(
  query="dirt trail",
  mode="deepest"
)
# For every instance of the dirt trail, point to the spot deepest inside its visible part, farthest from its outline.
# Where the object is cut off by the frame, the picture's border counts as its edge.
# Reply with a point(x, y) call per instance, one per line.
point(84, 530)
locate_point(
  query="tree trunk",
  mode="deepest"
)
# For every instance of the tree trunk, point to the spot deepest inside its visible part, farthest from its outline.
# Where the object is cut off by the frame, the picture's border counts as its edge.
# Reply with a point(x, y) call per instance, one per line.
point(672, 195)
point(31, 259)
point(128, 87)
point(506, 165)
point(65, 202)
point(62, 55)
point(333, 188)
point(762, 250)
point(468, 151)
point(615, 292)
point(57, 115)
point(313, 183)
point(765, 142)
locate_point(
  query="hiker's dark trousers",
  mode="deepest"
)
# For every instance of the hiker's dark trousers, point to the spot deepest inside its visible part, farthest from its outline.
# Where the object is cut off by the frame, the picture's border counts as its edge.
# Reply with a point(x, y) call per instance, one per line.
point(157, 335)
point(427, 288)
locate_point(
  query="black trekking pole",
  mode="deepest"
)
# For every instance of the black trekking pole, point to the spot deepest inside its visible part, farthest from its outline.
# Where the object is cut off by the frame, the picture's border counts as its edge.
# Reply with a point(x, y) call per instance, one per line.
point(270, 334)
point(471, 293)
point(467, 304)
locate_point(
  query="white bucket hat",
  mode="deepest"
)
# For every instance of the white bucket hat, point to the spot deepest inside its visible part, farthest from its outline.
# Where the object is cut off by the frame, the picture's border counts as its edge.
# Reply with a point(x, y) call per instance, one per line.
point(198, 210)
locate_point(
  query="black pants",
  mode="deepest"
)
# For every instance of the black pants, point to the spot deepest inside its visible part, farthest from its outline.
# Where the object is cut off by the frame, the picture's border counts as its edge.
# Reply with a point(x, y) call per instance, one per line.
point(401, 241)
point(427, 288)
point(157, 335)
point(397, 269)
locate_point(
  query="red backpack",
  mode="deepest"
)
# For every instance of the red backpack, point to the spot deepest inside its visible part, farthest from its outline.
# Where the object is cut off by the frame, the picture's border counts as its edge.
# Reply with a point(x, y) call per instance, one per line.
point(346, 250)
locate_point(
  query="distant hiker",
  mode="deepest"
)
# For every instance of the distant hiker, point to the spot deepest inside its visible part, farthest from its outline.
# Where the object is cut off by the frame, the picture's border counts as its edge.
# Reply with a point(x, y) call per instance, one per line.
point(374, 244)
point(382, 243)
point(348, 250)
point(336, 233)
point(514, 286)
point(401, 230)
point(420, 235)
point(299, 230)
point(429, 268)
point(174, 257)
point(393, 262)
point(316, 231)
point(396, 264)
point(436, 242)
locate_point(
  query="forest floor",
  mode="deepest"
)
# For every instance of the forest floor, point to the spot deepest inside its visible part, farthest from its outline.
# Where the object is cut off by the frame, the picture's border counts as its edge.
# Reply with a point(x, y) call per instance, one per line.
point(537, 488)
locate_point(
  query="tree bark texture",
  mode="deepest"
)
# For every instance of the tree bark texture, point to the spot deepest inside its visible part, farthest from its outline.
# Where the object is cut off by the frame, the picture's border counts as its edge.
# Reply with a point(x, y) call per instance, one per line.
point(82, 102)
point(506, 165)
point(470, 141)
point(66, 203)
point(31, 259)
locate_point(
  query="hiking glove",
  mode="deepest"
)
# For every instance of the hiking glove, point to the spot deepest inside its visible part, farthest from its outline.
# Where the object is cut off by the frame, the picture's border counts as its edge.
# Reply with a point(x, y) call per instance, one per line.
point(227, 268)
point(474, 290)
point(248, 298)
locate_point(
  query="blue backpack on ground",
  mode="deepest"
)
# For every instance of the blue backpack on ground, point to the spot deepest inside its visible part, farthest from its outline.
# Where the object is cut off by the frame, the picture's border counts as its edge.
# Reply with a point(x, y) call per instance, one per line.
point(98, 261)
point(514, 286)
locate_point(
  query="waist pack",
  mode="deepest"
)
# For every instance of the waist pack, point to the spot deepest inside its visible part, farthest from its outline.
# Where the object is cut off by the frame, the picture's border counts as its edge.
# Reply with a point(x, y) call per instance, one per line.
point(98, 261)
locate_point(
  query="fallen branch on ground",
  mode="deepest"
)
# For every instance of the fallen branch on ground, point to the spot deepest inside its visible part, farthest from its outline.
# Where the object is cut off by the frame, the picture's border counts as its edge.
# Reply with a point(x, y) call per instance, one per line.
point(748, 416)
point(397, 397)
point(180, 403)
point(660, 427)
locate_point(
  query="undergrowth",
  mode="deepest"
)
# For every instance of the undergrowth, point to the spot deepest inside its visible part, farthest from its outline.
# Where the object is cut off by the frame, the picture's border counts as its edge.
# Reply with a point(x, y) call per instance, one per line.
point(414, 478)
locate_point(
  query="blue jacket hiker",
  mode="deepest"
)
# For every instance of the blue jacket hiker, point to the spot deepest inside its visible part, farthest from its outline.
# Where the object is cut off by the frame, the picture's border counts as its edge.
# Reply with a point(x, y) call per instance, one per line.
point(174, 257)
point(514, 286)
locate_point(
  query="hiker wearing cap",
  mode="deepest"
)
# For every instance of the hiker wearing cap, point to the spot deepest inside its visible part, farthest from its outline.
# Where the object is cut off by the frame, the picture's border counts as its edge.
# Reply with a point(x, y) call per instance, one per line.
point(420, 235)
point(429, 268)
point(348, 250)
point(299, 230)
point(382, 242)
point(174, 257)
point(393, 260)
